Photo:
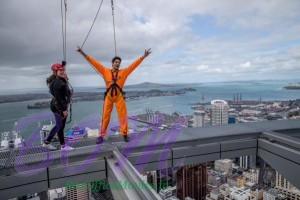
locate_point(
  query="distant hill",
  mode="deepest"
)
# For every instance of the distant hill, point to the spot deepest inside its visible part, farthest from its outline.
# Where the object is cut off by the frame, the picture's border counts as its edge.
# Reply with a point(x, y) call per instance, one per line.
point(150, 85)
point(147, 85)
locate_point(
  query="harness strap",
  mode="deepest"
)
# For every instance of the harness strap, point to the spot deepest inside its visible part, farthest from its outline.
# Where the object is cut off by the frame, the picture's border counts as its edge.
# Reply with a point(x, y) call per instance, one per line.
point(114, 87)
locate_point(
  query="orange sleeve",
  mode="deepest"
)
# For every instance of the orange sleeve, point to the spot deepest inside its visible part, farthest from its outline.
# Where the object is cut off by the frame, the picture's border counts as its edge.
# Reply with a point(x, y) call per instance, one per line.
point(96, 65)
point(134, 65)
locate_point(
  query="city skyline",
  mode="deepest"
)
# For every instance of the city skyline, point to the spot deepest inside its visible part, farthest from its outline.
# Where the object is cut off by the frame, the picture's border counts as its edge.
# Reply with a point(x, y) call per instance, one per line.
point(212, 114)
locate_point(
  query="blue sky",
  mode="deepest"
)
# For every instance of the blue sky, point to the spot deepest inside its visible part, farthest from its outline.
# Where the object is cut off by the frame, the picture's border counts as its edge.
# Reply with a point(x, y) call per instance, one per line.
point(206, 27)
point(192, 40)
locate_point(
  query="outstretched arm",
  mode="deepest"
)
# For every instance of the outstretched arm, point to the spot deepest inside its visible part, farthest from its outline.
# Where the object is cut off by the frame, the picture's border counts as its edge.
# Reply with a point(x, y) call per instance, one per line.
point(96, 64)
point(137, 62)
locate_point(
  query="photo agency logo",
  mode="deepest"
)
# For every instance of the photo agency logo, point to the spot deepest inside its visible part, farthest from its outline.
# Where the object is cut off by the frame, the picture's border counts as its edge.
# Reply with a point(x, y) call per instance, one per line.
point(29, 157)
point(104, 185)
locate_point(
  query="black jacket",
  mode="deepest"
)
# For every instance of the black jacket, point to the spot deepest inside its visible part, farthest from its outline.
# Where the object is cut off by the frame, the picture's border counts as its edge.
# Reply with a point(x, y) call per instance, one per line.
point(61, 95)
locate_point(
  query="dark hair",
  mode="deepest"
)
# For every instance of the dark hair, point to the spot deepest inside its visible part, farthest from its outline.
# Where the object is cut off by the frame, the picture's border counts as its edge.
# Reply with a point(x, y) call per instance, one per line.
point(50, 79)
point(116, 58)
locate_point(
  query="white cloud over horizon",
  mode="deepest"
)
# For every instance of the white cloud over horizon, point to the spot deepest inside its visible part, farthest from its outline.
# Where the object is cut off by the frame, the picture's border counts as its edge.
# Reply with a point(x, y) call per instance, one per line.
point(192, 40)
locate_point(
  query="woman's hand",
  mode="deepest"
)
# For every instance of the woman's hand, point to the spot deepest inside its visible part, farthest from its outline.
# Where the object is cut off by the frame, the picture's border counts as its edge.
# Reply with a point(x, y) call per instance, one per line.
point(65, 114)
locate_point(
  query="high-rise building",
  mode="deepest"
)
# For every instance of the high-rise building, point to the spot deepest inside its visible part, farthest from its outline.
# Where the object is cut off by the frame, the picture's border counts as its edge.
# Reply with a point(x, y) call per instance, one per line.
point(152, 179)
point(240, 181)
point(227, 192)
point(54, 194)
point(168, 192)
point(215, 179)
point(160, 179)
point(273, 194)
point(247, 162)
point(213, 195)
point(286, 188)
point(239, 194)
point(281, 182)
point(252, 175)
point(219, 112)
point(192, 182)
point(164, 178)
point(199, 118)
point(224, 165)
point(78, 192)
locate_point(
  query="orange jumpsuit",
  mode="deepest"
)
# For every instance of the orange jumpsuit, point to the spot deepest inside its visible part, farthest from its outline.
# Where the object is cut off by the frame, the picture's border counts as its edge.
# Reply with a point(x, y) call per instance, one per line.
point(117, 98)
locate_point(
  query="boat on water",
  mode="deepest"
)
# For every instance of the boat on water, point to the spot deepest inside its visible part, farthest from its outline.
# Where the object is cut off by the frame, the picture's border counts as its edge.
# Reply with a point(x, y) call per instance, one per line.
point(294, 86)
point(39, 105)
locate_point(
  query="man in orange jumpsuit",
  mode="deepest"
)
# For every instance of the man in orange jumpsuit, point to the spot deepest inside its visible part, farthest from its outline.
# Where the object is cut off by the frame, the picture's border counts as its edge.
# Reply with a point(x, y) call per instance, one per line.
point(114, 80)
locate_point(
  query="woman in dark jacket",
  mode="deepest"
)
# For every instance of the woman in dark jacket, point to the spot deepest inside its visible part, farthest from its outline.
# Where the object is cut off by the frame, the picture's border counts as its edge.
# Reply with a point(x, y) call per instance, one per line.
point(59, 89)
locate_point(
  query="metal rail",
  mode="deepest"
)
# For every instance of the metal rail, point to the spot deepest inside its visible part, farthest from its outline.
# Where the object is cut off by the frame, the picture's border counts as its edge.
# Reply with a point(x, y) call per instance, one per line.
point(38, 170)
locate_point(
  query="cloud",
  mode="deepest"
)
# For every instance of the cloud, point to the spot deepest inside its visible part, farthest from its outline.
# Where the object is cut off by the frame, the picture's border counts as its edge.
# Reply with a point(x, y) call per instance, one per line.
point(246, 65)
point(249, 39)
point(202, 67)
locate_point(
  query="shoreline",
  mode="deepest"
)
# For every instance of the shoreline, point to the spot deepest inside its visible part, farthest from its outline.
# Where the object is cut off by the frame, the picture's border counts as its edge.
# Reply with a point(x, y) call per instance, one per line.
point(40, 101)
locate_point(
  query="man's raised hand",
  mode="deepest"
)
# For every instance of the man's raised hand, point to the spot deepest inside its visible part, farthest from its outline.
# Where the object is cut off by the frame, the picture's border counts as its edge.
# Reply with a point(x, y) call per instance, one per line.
point(81, 51)
point(147, 52)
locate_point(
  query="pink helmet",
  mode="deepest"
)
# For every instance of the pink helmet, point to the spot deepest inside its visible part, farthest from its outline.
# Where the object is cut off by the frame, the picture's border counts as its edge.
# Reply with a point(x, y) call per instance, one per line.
point(57, 66)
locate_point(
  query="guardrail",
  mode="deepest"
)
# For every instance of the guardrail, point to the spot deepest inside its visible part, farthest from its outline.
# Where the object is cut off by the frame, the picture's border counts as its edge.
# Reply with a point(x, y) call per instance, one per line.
point(22, 173)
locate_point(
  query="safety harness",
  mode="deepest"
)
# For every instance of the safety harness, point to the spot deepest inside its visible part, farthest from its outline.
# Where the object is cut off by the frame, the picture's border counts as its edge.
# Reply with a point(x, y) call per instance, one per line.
point(114, 87)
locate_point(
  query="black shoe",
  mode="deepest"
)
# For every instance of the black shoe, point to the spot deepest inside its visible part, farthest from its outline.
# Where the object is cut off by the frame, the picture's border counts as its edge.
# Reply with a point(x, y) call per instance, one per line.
point(126, 138)
point(99, 140)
